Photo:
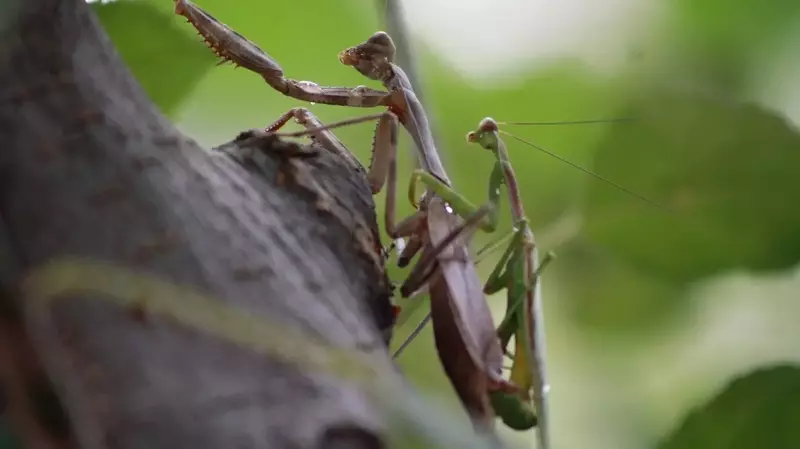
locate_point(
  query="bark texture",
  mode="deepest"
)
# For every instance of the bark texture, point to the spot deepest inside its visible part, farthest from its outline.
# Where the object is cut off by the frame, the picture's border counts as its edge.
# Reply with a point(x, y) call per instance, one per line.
point(90, 168)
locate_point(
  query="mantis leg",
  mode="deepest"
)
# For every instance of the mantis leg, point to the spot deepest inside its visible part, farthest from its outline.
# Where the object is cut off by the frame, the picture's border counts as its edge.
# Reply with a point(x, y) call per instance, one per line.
point(319, 133)
point(232, 46)
point(461, 205)
point(383, 166)
point(490, 247)
point(428, 260)
point(498, 279)
point(418, 328)
point(414, 244)
point(508, 325)
point(503, 276)
point(384, 147)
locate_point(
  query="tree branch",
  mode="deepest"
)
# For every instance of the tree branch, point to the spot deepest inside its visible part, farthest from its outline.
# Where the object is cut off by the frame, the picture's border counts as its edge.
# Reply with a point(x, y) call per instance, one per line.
point(89, 168)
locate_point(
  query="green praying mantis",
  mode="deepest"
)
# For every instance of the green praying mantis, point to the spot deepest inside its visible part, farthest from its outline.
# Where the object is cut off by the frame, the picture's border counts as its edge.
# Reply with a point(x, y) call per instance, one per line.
point(518, 271)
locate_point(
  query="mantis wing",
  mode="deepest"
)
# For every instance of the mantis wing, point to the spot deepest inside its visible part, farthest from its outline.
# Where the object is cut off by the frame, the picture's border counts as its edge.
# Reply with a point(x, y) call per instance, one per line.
point(475, 323)
point(462, 323)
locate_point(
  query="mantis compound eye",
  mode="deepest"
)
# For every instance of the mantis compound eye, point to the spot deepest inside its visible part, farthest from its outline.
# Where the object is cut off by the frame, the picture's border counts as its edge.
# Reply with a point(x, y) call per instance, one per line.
point(486, 128)
point(487, 125)
point(381, 44)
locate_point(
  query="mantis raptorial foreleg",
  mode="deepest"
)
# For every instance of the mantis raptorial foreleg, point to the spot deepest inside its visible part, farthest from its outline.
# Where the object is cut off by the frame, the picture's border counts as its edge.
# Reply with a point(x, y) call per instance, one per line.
point(373, 59)
point(232, 46)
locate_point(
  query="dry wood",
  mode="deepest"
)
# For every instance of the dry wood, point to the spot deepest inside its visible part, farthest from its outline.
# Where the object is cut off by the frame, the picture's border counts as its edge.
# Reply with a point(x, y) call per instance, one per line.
point(89, 168)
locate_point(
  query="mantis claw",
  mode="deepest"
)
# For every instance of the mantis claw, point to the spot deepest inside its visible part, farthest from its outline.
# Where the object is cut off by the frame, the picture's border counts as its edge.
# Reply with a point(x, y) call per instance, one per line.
point(227, 44)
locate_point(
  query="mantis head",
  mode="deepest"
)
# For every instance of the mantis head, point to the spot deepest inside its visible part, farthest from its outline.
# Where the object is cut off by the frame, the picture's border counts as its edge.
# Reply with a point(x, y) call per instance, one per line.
point(485, 135)
point(372, 58)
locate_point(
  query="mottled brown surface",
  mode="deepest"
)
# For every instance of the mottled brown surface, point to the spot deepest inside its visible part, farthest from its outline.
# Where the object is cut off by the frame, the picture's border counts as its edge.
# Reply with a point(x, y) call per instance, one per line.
point(89, 168)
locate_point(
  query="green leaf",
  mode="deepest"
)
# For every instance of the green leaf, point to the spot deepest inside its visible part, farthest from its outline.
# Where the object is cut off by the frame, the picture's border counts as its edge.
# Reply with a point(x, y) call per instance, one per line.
point(737, 23)
point(727, 175)
point(759, 410)
point(165, 60)
point(724, 38)
point(605, 294)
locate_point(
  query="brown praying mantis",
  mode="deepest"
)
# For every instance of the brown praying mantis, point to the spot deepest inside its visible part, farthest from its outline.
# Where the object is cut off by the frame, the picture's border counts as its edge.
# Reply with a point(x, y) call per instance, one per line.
point(464, 332)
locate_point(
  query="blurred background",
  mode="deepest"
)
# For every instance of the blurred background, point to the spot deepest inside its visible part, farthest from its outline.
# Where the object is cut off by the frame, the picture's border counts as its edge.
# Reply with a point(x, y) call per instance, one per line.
point(652, 313)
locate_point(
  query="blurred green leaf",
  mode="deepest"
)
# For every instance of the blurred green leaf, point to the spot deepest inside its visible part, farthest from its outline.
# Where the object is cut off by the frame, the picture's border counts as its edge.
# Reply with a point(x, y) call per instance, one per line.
point(737, 24)
point(728, 175)
point(759, 410)
point(722, 37)
point(603, 293)
point(166, 61)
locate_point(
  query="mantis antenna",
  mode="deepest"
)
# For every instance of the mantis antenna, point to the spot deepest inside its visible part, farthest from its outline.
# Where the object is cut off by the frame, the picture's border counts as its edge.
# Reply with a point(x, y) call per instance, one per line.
point(584, 170)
